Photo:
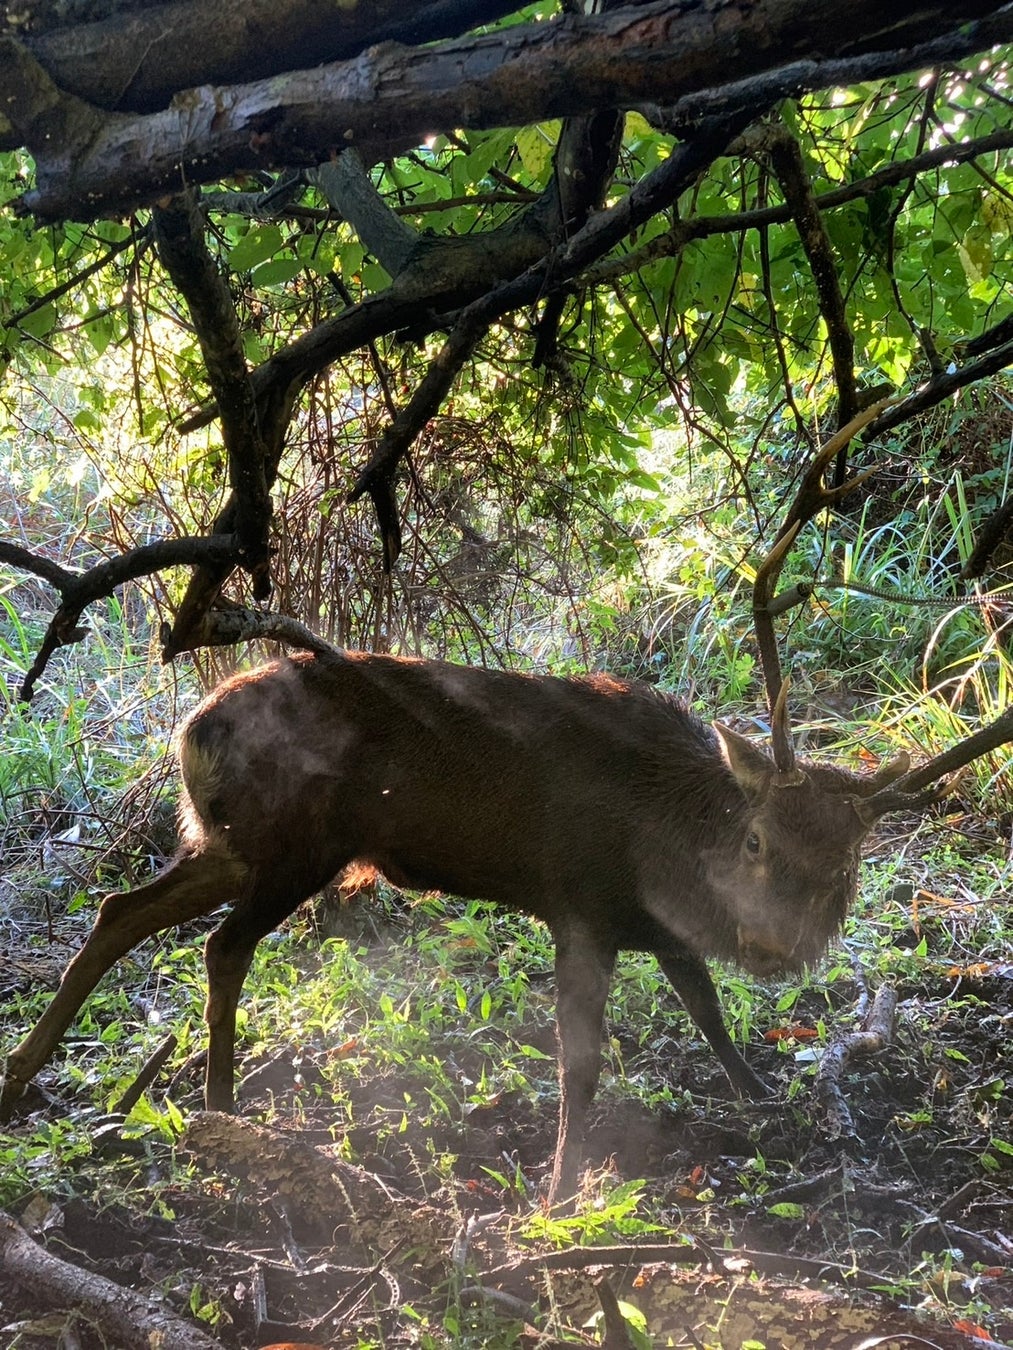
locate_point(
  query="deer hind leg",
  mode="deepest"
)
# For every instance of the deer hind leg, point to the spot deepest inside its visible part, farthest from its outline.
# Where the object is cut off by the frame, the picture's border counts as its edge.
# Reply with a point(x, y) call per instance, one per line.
point(692, 982)
point(583, 971)
point(194, 884)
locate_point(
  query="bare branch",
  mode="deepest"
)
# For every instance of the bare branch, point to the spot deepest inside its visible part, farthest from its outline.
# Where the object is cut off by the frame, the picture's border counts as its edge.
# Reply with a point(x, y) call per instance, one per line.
point(120, 1315)
point(347, 186)
point(940, 387)
point(900, 171)
point(806, 75)
point(377, 477)
point(179, 234)
point(34, 562)
point(55, 292)
point(79, 589)
point(225, 626)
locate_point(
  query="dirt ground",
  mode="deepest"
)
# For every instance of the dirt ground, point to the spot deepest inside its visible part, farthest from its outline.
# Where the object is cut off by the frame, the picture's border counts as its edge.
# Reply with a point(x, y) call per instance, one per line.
point(753, 1201)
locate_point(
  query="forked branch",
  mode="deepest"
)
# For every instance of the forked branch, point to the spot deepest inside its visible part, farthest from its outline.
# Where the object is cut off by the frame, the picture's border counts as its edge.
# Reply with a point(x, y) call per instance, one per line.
point(78, 589)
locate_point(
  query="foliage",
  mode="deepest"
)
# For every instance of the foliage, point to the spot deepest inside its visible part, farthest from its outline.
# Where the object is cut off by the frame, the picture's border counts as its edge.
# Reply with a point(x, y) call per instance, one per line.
point(526, 489)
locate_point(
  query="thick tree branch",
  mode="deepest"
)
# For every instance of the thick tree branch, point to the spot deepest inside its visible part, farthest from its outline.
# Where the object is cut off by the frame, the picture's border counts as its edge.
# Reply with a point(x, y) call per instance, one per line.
point(225, 625)
point(443, 274)
point(583, 165)
point(419, 293)
point(346, 186)
point(79, 589)
point(137, 62)
point(390, 97)
point(179, 234)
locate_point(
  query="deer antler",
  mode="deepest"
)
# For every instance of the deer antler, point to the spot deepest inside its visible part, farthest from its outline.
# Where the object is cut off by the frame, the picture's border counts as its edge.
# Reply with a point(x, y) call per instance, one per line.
point(811, 497)
point(906, 794)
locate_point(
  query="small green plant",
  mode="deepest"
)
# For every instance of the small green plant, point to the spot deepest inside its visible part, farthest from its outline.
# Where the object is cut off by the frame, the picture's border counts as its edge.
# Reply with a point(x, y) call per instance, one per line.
point(601, 1218)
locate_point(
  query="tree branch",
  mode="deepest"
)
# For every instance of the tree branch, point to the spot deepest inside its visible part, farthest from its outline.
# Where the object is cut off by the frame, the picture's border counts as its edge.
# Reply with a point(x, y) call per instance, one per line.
point(786, 160)
point(390, 97)
point(420, 295)
point(79, 589)
point(941, 386)
point(346, 186)
point(179, 234)
point(652, 194)
point(703, 227)
point(377, 479)
point(583, 165)
point(810, 498)
point(137, 62)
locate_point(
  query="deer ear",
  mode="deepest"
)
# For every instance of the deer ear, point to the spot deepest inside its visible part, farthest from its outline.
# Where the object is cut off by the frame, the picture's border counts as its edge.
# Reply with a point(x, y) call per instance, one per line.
point(751, 768)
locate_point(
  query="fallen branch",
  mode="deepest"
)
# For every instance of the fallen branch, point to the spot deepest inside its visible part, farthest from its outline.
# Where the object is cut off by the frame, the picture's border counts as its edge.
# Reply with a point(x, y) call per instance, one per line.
point(875, 1033)
point(124, 1318)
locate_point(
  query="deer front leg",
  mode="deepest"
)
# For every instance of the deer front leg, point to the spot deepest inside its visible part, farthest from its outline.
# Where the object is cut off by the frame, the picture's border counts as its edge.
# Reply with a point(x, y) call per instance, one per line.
point(583, 971)
point(691, 980)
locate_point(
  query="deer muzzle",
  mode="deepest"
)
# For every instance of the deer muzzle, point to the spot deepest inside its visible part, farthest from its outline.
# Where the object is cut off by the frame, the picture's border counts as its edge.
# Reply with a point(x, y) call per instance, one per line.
point(761, 954)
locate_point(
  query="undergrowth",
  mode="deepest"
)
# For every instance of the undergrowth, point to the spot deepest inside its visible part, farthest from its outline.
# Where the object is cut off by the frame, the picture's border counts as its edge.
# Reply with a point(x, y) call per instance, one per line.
point(431, 1026)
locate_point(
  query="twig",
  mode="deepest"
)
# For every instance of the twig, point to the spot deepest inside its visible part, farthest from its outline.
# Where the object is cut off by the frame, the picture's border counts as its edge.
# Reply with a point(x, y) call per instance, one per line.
point(150, 1070)
point(876, 1032)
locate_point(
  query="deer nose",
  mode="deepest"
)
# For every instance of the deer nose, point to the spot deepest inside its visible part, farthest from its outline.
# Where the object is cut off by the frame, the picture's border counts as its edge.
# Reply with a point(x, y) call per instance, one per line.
point(761, 955)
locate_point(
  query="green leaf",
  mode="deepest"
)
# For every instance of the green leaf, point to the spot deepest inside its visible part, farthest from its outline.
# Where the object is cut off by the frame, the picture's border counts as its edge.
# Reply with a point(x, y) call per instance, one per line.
point(787, 1210)
point(276, 272)
point(536, 145)
point(260, 243)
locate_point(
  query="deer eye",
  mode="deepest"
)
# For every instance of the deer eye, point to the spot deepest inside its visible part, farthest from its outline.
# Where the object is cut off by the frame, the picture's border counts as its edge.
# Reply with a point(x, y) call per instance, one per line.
point(753, 844)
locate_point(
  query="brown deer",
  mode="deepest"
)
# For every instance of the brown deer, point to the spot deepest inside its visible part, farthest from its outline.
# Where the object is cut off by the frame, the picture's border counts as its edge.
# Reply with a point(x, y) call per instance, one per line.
point(604, 808)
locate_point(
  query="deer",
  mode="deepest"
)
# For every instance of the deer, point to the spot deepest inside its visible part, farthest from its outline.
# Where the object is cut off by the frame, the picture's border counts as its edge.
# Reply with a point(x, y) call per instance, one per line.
point(605, 808)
